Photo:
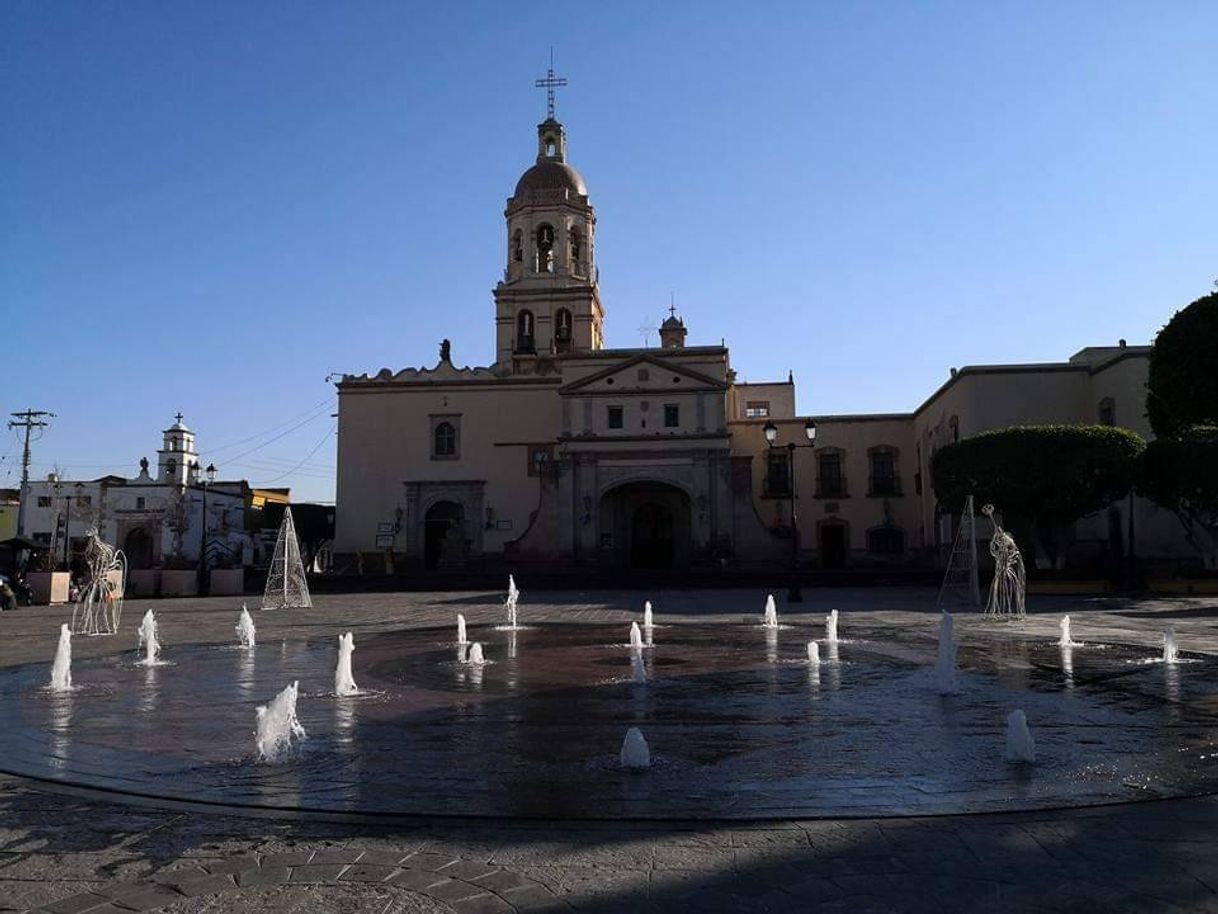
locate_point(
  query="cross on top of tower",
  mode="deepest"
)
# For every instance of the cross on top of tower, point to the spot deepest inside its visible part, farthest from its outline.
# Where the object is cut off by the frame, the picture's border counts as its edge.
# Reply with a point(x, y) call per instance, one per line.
point(550, 83)
point(178, 416)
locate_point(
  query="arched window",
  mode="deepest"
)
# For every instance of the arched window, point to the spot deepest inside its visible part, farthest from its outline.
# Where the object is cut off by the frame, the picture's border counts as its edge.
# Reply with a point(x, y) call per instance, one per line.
point(171, 466)
point(577, 250)
point(562, 324)
point(518, 247)
point(445, 443)
point(545, 248)
point(886, 541)
point(524, 332)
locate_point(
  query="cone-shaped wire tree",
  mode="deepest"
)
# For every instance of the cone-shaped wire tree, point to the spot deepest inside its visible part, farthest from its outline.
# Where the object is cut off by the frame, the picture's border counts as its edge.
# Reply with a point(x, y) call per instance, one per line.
point(286, 586)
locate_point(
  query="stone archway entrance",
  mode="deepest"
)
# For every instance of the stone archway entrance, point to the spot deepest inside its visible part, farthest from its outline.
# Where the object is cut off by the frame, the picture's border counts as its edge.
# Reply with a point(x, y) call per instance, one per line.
point(645, 525)
point(138, 548)
point(444, 535)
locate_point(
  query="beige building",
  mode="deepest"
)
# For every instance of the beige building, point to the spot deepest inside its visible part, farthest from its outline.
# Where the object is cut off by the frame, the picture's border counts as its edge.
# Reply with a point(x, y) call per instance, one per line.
point(566, 453)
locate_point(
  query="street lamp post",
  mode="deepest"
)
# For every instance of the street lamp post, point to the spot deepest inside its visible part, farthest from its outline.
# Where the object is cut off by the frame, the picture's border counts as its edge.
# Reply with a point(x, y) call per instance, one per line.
point(794, 594)
point(203, 577)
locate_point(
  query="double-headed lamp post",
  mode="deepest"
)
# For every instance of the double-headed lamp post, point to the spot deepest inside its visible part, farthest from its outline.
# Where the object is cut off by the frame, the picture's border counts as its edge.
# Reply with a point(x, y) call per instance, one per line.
point(794, 595)
point(203, 580)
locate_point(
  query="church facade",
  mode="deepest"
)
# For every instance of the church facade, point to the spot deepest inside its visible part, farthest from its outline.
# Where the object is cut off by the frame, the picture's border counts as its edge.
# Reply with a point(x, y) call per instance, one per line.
point(564, 452)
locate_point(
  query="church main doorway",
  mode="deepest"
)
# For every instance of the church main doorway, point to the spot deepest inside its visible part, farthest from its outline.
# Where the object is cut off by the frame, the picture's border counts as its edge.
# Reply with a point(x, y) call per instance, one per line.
point(651, 536)
point(443, 535)
point(645, 525)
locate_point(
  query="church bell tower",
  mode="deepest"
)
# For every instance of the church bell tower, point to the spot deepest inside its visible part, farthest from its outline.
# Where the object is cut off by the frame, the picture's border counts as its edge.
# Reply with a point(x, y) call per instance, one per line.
point(549, 302)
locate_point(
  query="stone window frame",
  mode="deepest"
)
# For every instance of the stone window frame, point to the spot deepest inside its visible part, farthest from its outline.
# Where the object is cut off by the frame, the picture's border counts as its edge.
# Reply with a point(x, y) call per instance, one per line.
point(885, 491)
point(821, 491)
point(672, 415)
point(618, 412)
point(781, 487)
point(453, 420)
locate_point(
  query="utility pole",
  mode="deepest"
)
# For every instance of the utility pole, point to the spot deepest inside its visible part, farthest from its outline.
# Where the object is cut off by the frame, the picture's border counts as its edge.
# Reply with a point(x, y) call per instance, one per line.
point(28, 420)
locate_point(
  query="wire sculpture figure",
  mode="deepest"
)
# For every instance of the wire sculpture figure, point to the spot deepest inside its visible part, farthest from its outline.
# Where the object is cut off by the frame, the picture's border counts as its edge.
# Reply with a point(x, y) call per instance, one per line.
point(100, 608)
point(286, 586)
point(1010, 582)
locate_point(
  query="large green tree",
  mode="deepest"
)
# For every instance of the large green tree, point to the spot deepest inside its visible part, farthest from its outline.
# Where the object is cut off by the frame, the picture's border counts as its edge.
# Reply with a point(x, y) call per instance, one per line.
point(1040, 477)
point(1182, 384)
point(1181, 474)
point(1180, 471)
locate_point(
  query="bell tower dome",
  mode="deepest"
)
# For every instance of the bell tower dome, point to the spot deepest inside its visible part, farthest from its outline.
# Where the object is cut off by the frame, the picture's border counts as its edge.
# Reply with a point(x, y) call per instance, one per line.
point(548, 303)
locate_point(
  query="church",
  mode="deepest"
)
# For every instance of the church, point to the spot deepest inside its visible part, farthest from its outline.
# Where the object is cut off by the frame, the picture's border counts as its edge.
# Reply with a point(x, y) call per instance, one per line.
point(565, 452)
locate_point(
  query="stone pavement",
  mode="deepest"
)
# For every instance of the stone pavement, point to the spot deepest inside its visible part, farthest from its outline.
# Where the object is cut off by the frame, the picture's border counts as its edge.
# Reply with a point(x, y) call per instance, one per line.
point(66, 851)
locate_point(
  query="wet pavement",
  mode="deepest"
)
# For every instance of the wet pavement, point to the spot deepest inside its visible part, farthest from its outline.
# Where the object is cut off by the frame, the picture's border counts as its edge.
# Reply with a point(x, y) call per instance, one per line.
point(76, 851)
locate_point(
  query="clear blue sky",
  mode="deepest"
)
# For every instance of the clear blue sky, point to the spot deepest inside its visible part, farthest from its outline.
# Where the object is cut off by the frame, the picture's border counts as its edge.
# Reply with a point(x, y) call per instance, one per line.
point(206, 207)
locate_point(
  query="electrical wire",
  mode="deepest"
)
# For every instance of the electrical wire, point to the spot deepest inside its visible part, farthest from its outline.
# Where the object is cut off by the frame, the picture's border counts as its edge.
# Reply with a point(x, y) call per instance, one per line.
point(269, 441)
point(327, 403)
point(317, 446)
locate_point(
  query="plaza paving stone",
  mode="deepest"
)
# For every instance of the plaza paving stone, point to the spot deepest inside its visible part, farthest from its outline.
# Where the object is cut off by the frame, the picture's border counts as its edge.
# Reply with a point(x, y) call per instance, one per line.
point(67, 851)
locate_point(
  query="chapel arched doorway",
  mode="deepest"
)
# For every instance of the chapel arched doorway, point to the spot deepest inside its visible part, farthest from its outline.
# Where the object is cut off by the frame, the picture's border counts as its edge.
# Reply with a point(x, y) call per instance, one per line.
point(138, 548)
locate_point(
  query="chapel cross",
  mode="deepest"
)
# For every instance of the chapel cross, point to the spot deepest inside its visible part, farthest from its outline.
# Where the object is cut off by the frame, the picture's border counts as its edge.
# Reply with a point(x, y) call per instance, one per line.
point(549, 84)
point(178, 416)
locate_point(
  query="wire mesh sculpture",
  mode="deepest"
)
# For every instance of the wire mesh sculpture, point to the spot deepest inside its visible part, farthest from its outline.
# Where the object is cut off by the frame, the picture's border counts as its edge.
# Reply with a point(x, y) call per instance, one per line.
point(1010, 580)
point(100, 607)
point(286, 586)
point(960, 578)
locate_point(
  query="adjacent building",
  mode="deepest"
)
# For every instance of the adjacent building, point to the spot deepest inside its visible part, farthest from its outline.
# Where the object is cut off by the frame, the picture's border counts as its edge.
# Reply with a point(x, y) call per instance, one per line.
point(167, 515)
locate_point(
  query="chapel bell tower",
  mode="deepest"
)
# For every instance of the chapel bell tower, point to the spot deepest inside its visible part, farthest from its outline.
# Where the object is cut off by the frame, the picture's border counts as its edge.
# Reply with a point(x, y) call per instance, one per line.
point(549, 301)
point(177, 460)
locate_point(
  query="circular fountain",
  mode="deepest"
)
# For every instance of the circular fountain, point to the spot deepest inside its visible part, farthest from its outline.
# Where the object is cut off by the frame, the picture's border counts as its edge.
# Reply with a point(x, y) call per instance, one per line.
point(741, 723)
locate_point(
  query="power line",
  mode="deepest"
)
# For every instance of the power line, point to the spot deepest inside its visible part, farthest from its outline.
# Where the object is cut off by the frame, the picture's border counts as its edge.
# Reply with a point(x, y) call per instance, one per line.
point(323, 440)
point(224, 447)
point(253, 450)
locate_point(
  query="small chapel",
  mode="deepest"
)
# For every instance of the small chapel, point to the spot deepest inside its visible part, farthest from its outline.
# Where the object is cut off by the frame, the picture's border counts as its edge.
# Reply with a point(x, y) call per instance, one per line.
point(567, 453)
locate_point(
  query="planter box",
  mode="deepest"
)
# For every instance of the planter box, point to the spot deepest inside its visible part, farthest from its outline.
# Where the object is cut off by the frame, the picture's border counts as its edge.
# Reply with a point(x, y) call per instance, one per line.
point(226, 582)
point(1067, 587)
point(116, 581)
point(49, 587)
point(144, 582)
point(1184, 586)
point(179, 583)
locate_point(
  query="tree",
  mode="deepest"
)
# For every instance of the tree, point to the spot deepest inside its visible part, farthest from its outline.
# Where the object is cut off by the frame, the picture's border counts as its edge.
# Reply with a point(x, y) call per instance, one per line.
point(1040, 477)
point(1182, 385)
point(1181, 474)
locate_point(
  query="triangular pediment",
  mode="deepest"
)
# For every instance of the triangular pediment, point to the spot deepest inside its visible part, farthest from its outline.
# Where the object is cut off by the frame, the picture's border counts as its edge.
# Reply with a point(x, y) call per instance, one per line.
point(663, 375)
